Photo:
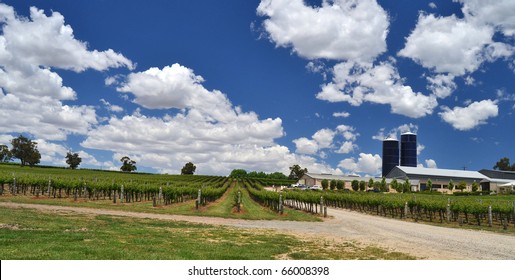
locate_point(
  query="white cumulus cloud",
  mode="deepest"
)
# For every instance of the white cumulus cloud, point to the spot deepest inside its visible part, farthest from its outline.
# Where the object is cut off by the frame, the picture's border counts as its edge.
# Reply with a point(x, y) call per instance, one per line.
point(366, 163)
point(356, 83)
point(338, 29)
point(475, 114)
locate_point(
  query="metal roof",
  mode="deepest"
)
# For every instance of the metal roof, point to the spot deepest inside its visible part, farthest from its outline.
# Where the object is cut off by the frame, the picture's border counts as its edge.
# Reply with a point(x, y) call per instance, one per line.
point(344, 177)
point(423, 171)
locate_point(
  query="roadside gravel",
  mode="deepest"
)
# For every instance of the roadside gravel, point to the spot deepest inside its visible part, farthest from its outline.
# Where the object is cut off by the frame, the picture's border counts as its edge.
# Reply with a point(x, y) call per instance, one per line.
point(422, 241)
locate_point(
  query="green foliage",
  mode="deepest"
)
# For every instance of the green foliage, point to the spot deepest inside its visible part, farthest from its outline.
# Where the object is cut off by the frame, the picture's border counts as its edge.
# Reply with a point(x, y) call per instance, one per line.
point(362, 186)
point(475, 187)
point(461, 186)
point(395, 185)
point(406, 187)
point(5, 154)
point(128, 165)
point(355, 185)
point(296, 172)
point(188, 169)
point(371, 183)
point(325, 184)
point(332, 184)
point(25, 150)
point(73, 160)
point(383, 187)
point(504, 165)
point(340, 184)
point(429, 185)
point(238, 173)
point(450, 186)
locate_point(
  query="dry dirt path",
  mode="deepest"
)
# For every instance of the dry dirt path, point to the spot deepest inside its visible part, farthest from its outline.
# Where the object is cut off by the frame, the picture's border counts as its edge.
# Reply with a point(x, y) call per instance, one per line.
point(422, 241)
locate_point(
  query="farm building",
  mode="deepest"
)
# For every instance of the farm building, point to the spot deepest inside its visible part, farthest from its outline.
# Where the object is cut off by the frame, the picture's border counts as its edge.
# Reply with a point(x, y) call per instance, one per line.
point(311, 179)
point(498, 180)
point(439, 177)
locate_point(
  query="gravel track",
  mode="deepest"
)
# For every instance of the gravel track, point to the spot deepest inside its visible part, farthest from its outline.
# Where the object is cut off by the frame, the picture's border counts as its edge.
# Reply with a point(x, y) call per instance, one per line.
point(422, 241)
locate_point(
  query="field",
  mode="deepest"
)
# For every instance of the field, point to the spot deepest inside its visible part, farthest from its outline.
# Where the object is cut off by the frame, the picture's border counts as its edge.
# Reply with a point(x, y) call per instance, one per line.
point(109, 237)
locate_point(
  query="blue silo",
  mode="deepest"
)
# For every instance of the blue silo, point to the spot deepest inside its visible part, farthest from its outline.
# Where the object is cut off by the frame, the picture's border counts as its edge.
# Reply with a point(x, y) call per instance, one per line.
point(390, 155)
point(409, 149)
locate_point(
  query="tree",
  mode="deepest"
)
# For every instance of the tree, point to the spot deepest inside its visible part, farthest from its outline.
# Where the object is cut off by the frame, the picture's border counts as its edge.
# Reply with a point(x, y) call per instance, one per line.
point(25, 150)
point(297, 172)
point(475, 187)
point(461, 186)
point(238, 173)
point(355, 185)
point(325, 184)
point(384, 186)
point(339, 185)
point(5, 154)
point(73, 160)
point(188, 169)
point(395, 185)
point(362, 186)
point(332, 184)
point(370, 183)
point(128, 165)
point(451, 185)
point(429, 184)
point(504, 165)
point(406, 187)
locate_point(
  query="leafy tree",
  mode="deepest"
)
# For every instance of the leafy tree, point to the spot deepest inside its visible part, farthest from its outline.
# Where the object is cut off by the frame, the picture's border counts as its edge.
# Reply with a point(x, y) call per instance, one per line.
point(451, 185)
point(429, 184)
point(355, 185)
point(128, 165)
point(475, 186)
point(238, 173)
point(332, 184)
point(377, 186)
point(297, 172)
point(5, 154)
point(384, 186)
point(362, 185)
point(188, 169)
point(25, 150)
point(406, 187)
point(325, 184)
point(395, 185)
point(461, 186)
point(278, 176)
point(504, 165)
point(371, 183)
point(339, 185)
point(73, 160)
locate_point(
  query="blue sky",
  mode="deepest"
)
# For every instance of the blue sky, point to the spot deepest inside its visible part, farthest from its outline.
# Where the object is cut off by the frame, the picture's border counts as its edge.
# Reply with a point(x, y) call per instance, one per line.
point(259, 85)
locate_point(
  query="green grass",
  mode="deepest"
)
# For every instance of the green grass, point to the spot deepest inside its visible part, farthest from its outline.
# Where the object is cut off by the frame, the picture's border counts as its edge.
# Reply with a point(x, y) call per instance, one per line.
point(29, 234)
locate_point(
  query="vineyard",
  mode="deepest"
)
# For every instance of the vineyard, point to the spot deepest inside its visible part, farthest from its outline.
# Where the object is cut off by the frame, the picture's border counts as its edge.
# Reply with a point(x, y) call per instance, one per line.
point(491, 211)
point(115, 186)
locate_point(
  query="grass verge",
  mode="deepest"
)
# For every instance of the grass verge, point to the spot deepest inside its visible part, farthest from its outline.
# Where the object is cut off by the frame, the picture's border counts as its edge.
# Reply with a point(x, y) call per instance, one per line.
point(31, 234)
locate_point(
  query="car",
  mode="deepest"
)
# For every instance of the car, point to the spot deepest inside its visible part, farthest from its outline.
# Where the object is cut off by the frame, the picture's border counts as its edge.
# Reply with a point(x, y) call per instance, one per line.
point(316, 187)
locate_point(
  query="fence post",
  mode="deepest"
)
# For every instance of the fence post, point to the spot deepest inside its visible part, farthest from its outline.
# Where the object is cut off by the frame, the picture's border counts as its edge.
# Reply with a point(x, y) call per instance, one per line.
point(325, 211)
point(448, 210)
point(321, 205)
point(14, 189)
point(281, 204)
point(114, 196)
point(199, 198)
point(489, 215)
point(239, 201)
point(161, 192)
point(406, 209)
point(121, 194)
point(49, 187)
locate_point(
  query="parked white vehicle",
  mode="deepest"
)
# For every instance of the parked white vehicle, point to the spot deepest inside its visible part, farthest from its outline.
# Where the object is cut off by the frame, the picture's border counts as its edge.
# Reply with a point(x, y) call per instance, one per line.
point(315, 187)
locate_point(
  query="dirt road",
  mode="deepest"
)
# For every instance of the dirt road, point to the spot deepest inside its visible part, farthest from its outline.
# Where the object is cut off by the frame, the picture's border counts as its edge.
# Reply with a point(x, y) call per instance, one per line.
point(422, 241)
